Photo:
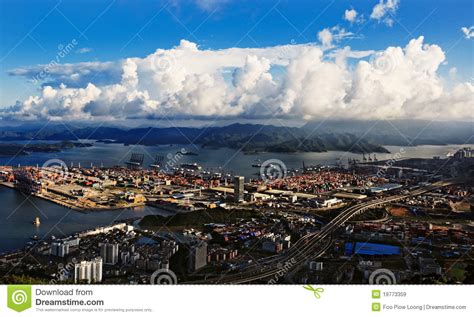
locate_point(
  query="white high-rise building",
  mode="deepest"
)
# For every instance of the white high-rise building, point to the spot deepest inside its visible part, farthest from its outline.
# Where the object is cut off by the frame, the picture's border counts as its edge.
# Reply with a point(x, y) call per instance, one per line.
point(89, 271)
point(197, 256)
point(125, 257)
point(96, 270)
point(109, 252)
point(59, 249)
point(239, 188)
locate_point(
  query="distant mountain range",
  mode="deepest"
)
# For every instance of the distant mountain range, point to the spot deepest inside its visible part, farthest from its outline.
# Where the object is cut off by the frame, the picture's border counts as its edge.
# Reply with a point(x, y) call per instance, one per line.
point(402, 132)
point(352, 136)
point(250, 138)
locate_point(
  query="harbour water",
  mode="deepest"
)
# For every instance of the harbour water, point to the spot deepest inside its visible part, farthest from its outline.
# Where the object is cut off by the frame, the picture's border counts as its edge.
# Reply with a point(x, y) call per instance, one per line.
point(17, 211)
point(223, 159)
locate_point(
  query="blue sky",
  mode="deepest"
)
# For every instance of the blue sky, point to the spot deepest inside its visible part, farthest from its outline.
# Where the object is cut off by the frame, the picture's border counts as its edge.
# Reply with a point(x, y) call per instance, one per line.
point(107, 30)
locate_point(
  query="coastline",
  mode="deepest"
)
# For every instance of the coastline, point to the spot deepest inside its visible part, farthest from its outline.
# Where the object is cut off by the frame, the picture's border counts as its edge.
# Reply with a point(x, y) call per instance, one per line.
point(72, 206)
point(80, 234)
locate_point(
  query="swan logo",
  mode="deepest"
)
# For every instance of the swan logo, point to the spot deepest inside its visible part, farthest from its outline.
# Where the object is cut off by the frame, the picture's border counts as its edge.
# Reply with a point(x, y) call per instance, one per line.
point(19, 297)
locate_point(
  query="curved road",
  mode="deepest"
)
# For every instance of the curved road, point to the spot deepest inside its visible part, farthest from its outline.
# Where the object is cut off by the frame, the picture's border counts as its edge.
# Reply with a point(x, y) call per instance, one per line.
point(308, 247)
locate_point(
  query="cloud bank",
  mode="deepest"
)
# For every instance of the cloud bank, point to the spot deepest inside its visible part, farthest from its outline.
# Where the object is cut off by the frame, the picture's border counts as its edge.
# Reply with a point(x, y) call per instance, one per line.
point(289, 81)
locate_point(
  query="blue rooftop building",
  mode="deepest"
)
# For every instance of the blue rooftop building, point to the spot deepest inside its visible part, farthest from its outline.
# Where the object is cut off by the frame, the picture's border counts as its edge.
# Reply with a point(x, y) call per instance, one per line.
point(364, 248)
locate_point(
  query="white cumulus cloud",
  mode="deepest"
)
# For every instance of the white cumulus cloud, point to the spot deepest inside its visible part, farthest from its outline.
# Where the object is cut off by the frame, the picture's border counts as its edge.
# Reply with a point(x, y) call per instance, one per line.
point(325, 37)
point(350, 15)
point(288, 81)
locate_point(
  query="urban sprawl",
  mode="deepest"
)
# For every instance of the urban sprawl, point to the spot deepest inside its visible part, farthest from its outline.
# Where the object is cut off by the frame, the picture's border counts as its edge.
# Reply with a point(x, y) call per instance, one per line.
point(411, 219)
